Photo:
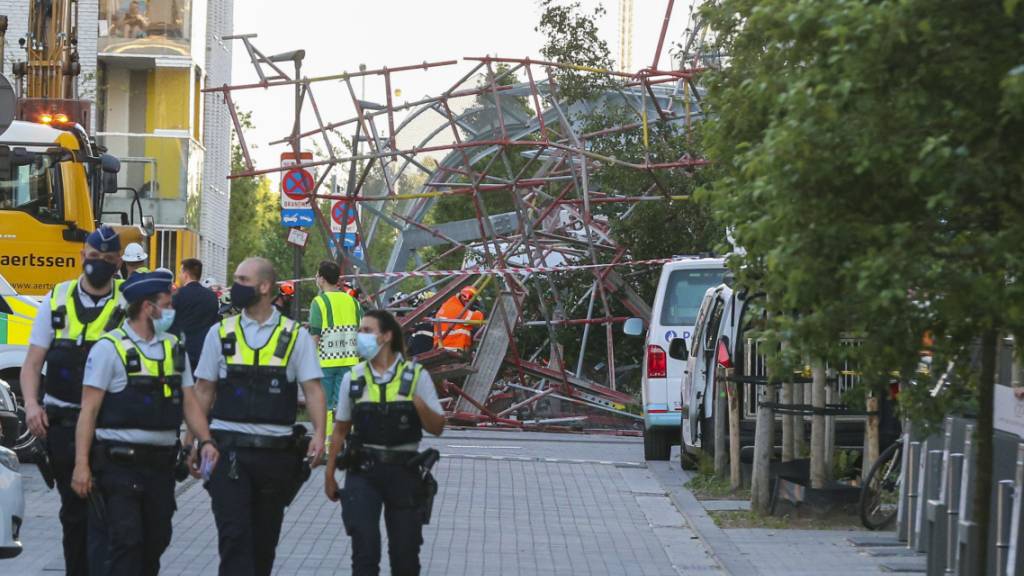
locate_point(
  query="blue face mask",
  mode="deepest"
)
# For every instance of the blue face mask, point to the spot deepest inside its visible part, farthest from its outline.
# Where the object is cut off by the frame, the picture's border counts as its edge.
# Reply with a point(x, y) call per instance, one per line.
point(163, 323)
point(367, 346)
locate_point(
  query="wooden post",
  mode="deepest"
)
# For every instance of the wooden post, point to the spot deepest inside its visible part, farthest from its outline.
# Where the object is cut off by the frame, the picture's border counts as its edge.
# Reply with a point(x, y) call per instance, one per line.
point(870, 436)
point(799, 430)
point(735, 476)
point(764, 445)
point(818, 467)
point(721, 408)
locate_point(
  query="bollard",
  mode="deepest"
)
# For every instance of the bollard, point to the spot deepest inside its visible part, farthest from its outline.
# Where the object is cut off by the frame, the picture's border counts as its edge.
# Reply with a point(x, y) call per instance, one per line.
point(1015, 555)
point(902, 512)
point(954, 473)
point(1004, 502)
point(938, 537)
point(932, 480)
point(965, 529)
point(910, 477)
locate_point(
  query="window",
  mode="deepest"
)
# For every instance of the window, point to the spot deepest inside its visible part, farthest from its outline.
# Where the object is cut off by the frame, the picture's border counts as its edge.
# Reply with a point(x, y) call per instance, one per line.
point(157, 27)
point(30, 183)
point(683, 295)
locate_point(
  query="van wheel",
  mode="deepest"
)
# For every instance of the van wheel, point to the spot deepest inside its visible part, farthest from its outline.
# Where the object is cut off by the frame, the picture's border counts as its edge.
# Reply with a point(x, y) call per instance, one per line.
point(657, 445)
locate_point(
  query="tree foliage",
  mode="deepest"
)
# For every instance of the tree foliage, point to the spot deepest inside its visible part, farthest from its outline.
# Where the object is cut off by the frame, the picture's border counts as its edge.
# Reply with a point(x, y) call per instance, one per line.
point(869, 160)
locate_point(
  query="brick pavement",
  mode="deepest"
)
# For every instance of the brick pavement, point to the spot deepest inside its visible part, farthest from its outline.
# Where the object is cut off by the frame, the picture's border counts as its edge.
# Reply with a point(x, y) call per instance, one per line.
point(494, 514)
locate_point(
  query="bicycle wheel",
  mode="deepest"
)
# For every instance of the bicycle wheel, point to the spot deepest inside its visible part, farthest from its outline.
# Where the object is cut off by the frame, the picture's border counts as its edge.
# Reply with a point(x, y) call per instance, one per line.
point(880, 494)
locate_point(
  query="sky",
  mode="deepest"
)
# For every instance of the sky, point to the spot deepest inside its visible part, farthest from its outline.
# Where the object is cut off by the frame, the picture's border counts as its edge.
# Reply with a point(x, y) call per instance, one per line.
point(339, 35)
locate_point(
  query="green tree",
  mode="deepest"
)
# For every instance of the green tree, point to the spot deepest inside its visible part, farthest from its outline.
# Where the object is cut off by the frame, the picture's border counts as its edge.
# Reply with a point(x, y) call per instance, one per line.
point(868, 159)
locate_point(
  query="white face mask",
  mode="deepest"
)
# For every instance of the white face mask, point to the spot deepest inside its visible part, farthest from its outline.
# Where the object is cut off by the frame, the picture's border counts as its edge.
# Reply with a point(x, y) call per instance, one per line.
point(163, 323)
point(367, 346)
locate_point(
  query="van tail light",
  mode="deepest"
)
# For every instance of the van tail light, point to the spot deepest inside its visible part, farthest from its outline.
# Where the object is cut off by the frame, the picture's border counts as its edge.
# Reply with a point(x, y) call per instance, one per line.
point(722, 355)
point(657, 362)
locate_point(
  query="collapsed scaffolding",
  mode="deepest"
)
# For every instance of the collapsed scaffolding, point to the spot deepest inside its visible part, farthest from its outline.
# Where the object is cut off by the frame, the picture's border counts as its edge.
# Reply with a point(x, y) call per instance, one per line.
point(502, 113)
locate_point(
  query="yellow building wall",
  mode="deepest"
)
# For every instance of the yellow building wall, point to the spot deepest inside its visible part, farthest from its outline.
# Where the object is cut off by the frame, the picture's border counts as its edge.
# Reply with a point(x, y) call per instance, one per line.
point(168, 109)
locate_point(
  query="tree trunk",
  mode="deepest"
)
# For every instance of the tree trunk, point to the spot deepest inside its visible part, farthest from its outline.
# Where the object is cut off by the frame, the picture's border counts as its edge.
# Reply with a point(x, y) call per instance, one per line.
point(870, 436)
point(818, 463)
point(982, 502)
point(787, 423)
point(764, 445)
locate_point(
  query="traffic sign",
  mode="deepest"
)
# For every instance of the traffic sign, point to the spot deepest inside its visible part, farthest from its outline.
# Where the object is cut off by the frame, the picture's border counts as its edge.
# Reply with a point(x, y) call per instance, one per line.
point(300, 218)
point(343, 216)
point(297, 183)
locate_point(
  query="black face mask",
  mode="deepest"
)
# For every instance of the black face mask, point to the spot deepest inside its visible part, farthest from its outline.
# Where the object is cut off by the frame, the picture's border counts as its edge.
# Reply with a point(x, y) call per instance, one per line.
point(243, 296)
point(98, 271)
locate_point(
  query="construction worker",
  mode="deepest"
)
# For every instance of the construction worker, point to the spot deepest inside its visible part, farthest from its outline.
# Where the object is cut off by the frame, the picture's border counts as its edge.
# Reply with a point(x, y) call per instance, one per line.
point(421, 337)
point(457, 336)
point(333, 322)
point(386, 405)
point(135, 260)
point(132, 400)
point(285, 296)
point(72, 317)
point(247, 381)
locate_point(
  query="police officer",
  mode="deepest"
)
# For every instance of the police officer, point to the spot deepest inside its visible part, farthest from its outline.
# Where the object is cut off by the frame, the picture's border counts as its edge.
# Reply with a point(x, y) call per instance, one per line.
point(247, 380)
point(386, 404)
point(68, 322)
point(333, 323)
point(132, 400)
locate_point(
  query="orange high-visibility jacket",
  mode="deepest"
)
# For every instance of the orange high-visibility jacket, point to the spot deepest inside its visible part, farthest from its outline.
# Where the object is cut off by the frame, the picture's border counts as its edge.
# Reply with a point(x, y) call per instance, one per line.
point(455, 336)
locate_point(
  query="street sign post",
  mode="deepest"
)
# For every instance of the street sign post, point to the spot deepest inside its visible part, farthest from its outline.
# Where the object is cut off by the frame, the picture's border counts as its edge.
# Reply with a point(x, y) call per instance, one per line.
point(296, 185)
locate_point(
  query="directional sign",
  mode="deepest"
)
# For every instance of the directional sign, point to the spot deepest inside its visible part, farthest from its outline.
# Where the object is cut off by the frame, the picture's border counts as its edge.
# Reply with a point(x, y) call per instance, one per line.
point(347, 240)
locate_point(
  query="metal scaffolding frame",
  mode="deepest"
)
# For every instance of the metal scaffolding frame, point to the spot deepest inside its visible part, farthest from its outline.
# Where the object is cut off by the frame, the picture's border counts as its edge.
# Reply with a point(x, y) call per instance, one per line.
point(501, 113)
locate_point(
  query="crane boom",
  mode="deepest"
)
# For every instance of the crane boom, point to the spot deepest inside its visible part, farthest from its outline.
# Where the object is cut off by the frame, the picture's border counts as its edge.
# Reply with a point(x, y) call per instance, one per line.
point(625, 35)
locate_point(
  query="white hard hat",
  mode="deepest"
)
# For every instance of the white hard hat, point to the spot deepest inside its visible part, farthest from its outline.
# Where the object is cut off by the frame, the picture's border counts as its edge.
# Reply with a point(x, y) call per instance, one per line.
point(210, 281)
point(134, 253)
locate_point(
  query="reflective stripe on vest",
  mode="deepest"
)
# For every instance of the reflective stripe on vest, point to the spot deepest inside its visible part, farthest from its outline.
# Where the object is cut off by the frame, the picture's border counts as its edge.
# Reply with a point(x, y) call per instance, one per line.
point(274, 353)
point(401, 388)
point(340, 315)
point(62, 304)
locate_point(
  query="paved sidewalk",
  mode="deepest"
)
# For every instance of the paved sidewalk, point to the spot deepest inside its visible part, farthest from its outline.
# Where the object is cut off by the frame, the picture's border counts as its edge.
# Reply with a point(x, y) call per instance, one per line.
point(770, 552)
point(534, 512)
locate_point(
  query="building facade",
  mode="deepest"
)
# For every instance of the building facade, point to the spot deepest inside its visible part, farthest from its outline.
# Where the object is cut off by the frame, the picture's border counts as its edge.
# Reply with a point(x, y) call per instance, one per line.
point(144, 65)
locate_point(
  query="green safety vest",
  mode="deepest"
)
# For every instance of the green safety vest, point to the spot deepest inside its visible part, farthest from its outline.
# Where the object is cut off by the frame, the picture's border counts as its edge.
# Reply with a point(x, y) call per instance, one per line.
point(152, 399)
point(340, 315)
point(256, 389)
point(384, 414)
point(73, 336)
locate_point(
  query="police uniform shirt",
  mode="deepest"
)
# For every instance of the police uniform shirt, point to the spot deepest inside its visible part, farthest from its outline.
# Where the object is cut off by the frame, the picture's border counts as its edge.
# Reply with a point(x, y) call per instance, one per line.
point(303, 365)
point(42, 329)
point(105, 371)
point(424, 389)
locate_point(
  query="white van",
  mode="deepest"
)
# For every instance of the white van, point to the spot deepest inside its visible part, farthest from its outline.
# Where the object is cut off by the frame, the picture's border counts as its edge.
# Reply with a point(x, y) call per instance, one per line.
point(681, 289)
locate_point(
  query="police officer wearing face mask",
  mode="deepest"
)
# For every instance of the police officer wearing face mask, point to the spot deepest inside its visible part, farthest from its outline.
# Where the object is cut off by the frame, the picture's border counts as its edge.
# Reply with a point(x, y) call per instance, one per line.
point(385, 404)
point(69, 321)
point(132, 399)
point(248, 376)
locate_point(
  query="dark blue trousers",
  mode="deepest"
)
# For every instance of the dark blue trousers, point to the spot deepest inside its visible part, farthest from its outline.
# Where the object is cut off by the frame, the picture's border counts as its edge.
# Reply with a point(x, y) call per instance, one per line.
point(392, 487)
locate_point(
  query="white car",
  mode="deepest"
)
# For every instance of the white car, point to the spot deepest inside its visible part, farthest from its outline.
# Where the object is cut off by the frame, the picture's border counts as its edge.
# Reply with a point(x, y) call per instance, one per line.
point(12, 498)
point(681, 288)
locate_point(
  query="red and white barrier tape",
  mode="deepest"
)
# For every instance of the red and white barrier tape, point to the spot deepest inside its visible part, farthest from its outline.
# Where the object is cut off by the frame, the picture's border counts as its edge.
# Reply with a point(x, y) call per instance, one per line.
point(501, 271)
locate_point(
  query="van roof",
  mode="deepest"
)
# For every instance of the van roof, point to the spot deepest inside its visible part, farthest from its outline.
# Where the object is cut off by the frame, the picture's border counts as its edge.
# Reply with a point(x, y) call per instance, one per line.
point(21, 131)
point(694, 263)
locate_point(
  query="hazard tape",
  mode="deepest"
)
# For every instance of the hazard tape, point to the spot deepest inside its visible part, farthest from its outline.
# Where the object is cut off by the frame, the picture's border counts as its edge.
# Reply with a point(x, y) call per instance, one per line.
point(501, 271)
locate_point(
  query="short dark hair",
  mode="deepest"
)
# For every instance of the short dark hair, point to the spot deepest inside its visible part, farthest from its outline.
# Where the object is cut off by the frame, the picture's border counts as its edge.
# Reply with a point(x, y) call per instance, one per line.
point(135, 308)
point(329, 271)
point(388, 323)
point(193, 266)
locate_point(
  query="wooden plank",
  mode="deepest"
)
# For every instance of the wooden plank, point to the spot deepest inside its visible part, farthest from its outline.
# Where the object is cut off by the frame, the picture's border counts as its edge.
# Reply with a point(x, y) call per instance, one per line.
point(490, 353)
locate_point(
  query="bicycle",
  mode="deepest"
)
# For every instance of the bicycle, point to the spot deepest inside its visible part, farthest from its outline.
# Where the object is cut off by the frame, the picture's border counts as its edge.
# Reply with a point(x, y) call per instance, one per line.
point(880, 493)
